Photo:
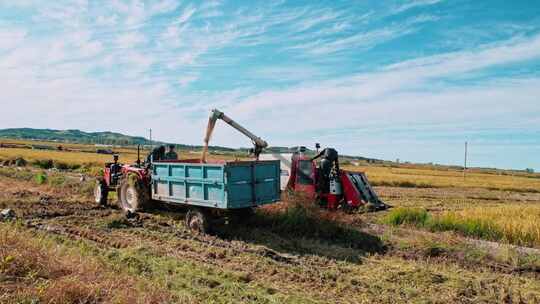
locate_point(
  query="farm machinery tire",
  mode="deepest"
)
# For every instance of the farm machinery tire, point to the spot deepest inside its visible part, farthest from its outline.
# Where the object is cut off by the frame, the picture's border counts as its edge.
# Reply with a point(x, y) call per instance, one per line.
point(101, 192)
point(197, 220)
point(133, 195)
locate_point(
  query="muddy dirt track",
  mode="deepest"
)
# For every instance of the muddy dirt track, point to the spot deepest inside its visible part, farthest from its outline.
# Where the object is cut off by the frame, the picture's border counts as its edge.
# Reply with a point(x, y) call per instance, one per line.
point(372, 264)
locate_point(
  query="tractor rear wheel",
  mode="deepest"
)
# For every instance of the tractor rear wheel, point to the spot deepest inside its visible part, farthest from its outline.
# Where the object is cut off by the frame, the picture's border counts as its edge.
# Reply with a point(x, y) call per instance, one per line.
point(101, 192)
point(197, 220)
point(132, 194)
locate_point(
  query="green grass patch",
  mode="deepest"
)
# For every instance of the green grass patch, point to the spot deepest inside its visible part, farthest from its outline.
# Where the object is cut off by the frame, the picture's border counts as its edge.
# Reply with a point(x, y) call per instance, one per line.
point(43, 163)
point(410, 216)
point(40, 178)
point(478, 228)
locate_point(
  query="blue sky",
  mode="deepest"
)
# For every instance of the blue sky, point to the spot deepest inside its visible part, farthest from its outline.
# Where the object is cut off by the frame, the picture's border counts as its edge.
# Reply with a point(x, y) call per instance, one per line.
point(409, 79)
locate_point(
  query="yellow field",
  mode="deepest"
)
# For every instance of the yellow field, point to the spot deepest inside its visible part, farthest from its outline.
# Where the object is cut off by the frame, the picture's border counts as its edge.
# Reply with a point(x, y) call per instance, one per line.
point(447, 178)
point(68, 157)
point(516, 223)
point(403, 176)
point(76, 156)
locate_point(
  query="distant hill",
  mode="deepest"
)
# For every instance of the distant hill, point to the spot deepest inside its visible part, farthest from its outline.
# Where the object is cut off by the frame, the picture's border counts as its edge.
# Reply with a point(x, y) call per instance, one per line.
point(75, 136)
point(78, 136)
point(112, 138)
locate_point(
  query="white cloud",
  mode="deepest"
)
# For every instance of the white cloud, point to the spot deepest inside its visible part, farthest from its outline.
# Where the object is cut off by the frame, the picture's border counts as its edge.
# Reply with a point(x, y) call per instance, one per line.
point(211, 4)
point(90, 49)
point(107, 20)
point(186, 80)
point(514, 50)
point(69, 15)
point(361, 40)
point(172, 37)
point(130, 40)
point(138, 62)
point(412, 4)
point(164, 6)
point(404, 95)
point(315, 20)
point(186, 14)
point(11, 38)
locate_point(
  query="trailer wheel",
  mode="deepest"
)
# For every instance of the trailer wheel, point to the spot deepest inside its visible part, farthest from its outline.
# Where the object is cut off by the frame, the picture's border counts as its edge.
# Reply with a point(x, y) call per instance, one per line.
point(132, 195)
point(101, 192)
point(197, 221)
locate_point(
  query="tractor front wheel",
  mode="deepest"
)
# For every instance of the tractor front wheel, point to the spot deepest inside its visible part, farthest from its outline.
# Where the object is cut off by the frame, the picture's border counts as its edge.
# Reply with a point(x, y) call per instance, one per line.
point(132, 194)
point(101, 192)
point(197, 220)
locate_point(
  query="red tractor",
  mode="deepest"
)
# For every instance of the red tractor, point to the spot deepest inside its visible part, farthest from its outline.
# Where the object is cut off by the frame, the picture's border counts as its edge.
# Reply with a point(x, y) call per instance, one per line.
point(131, 182)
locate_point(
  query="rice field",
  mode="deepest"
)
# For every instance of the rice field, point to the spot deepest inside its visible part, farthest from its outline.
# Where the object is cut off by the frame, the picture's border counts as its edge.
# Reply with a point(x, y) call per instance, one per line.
point(517, 224)
point(84, 154)
point(445, 178)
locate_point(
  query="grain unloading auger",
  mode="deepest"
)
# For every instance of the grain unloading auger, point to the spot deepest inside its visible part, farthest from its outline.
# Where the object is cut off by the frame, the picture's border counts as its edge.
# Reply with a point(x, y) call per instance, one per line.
point(258, 143)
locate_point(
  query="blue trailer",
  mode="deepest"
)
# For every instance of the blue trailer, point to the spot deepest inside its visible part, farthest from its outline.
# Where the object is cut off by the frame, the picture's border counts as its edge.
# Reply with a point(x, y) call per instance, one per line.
point(205, 187)
point(227, 185)
point(237, 186)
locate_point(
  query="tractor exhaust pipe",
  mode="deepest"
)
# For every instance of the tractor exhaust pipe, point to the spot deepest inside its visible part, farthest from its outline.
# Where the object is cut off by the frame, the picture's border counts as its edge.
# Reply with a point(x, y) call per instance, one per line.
point(139, 155)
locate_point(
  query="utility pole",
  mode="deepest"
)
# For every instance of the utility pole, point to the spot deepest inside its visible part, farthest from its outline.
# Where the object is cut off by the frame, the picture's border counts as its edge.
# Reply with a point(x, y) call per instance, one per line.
point(465, 162)
point(151, 142)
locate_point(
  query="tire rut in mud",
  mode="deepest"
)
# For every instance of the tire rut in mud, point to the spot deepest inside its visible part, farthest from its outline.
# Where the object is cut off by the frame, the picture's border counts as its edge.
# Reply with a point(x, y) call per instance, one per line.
point(208, 250)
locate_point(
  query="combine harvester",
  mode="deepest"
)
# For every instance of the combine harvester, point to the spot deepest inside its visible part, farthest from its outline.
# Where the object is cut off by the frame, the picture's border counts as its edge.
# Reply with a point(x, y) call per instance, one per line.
point(215, 188)
point(325, 182)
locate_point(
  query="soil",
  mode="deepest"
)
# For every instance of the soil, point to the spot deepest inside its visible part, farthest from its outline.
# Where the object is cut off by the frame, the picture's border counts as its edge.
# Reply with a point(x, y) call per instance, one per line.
point(257, 254)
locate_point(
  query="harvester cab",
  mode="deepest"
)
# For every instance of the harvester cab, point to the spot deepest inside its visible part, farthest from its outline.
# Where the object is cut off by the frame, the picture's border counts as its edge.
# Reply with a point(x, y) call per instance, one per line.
point(303, 174)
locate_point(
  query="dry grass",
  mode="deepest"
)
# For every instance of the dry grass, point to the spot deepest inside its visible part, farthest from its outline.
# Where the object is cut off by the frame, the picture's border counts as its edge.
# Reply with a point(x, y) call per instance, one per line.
point(289, 256)
point(36, 270)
